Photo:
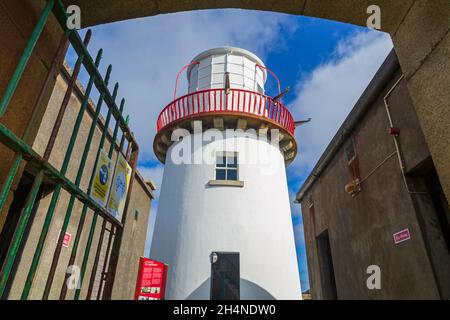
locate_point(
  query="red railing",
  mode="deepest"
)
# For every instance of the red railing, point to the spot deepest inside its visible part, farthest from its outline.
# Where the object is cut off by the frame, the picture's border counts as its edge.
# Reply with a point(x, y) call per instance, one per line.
point(235, 101)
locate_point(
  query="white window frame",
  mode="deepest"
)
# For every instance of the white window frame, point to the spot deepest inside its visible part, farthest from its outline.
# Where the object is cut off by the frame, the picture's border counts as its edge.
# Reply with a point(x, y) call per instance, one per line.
point(226, 167)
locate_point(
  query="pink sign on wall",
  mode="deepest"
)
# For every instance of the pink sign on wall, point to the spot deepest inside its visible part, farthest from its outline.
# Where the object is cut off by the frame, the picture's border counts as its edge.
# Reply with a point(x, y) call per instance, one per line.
point(402, 236)
point(66, 239)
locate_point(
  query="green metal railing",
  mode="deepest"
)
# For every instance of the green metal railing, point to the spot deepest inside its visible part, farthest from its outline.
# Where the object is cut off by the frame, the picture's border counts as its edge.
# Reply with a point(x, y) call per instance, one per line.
point(46, 171)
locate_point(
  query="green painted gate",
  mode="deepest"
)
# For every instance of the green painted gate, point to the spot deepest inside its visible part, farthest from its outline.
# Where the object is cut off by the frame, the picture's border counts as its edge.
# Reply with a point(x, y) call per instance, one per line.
point(58, 178)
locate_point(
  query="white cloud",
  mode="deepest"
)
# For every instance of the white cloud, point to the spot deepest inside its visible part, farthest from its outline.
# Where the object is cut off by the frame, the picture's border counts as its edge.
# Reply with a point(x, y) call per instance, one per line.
point(153, 173)
point(329, 92)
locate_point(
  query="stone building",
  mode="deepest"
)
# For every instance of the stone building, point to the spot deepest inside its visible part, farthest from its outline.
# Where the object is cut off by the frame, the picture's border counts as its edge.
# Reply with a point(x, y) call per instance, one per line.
point(361, 209)
point(135, 226)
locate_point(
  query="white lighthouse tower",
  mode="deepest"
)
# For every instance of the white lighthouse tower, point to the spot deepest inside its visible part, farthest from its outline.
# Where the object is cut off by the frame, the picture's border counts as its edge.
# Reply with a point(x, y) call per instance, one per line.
point(225, 146)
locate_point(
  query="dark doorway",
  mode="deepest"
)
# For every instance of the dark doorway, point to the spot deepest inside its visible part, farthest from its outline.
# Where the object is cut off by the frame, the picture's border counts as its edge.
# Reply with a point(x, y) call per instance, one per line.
point(328, 281)
point(12, 220)
point(225, 276)
point(440, 204)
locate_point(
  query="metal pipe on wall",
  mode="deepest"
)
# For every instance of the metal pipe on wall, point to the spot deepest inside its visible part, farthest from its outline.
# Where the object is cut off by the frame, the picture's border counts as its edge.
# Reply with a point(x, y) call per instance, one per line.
point(401, 159)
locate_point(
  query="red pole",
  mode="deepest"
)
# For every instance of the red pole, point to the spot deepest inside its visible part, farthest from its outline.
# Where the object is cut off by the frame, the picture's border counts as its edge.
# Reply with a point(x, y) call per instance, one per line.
point(178, 75)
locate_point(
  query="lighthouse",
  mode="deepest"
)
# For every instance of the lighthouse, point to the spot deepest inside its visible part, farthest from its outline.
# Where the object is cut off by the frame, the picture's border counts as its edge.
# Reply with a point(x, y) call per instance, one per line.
point(225, 145)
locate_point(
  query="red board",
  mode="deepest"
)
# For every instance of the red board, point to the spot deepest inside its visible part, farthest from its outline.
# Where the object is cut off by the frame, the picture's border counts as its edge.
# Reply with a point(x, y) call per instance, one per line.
point(151, 281)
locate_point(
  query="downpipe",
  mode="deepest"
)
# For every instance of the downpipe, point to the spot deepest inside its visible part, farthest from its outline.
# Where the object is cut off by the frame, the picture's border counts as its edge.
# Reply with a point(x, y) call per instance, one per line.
point(401, 160)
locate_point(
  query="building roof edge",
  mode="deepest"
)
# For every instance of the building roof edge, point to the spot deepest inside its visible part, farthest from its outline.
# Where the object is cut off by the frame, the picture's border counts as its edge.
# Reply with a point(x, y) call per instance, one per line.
point(376, 85)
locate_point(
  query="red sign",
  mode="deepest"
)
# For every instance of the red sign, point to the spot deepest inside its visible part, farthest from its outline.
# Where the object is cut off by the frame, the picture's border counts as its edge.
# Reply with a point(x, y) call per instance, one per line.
point(66, 240)
point(402, 236)
point(151, 281)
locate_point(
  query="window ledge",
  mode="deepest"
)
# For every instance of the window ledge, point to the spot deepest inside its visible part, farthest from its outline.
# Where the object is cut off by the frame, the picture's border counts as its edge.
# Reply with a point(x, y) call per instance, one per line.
point(226, 183)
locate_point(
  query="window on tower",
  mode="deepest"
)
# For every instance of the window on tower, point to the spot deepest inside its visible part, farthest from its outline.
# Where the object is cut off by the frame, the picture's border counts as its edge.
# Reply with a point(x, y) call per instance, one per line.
point(227, 166)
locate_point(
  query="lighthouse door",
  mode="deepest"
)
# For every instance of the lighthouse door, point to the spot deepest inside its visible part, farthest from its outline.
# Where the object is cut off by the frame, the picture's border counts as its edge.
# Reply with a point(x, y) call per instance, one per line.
point(225, 276)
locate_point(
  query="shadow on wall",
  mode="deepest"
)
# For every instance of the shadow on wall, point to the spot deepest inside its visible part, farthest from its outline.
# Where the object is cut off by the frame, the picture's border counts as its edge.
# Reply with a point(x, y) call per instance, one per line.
point(249, 291)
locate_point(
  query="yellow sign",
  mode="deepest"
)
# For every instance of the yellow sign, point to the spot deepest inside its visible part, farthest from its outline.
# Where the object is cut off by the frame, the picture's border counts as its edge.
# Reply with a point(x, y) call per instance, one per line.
point(102, 179)
point(119, 189)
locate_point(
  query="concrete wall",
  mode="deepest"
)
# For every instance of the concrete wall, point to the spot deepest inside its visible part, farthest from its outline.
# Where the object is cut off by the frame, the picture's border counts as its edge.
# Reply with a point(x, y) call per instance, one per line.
point(361, 228)
point(17, 20)
point(134, 237)
point(422, 43)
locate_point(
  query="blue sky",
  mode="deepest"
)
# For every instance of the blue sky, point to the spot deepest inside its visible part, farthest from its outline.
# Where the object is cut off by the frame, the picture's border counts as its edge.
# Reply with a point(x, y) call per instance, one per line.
point(326, 64)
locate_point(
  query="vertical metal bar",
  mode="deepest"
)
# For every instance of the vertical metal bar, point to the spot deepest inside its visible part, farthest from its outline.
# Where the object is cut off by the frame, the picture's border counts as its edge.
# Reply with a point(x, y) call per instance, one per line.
point(276, 111)
point(96, 259)
point(53, 201)
point(99, 246)
point(86, 254)
point(128, 150)
point(6, 186)
point(51, 75)
point(65, 102)
point(209, 101)
point(195, 105)
point(78, 180)
point(18, 235)
point(116, 130)
point(105, 262)
point(63, 171)
point(226, 100)
point(54, 68)
point(189, 107)
point(238, 100)
point(118, 237)
point(94, 219)
point(9, 180)
point(176, 110)
point(31, 44)
point(100, 241)
point(260, 105)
